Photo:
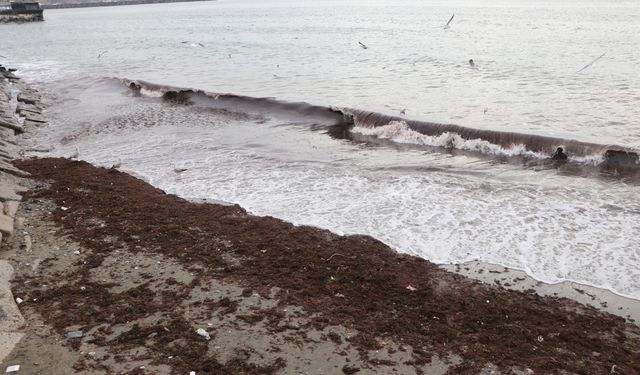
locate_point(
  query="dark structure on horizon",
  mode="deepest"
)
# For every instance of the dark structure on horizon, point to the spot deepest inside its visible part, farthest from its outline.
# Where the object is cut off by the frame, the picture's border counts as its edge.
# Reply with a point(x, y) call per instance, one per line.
point(21, 12)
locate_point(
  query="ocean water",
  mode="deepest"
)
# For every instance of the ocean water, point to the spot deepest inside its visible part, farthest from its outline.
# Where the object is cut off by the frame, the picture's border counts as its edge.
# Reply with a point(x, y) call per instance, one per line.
point(379, 163)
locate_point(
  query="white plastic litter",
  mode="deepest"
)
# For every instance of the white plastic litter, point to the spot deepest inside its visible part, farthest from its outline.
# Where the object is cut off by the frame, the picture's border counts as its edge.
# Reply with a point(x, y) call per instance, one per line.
point(203, 333)
point(19, 300)
point(14, 368)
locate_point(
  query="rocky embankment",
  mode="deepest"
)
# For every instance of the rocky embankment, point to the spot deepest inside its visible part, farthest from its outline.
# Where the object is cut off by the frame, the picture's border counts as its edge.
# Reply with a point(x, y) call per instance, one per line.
point(4, 18)
point(18, 110)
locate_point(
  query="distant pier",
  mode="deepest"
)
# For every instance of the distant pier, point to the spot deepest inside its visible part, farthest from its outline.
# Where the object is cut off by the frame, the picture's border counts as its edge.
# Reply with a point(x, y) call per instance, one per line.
point(20, 12)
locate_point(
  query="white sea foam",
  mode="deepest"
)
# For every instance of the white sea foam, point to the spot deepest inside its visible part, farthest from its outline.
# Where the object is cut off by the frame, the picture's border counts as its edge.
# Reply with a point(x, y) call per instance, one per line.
point(400, 132)
point(563, 229)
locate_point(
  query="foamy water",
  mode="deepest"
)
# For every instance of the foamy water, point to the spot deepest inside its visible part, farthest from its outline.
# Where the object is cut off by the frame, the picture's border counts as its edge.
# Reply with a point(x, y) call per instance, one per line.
point(445, 206)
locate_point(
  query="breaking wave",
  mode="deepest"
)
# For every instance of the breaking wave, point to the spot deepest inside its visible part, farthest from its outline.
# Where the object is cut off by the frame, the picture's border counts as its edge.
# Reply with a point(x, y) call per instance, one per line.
point(343, 122)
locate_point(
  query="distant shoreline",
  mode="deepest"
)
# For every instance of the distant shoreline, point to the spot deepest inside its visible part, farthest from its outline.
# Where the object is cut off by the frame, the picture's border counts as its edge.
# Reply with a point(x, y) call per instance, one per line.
point(113, 3)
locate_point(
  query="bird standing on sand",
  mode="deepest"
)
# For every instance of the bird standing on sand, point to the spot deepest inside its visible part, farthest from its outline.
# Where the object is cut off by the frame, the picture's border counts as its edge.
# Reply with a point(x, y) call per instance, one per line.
point(75, 154)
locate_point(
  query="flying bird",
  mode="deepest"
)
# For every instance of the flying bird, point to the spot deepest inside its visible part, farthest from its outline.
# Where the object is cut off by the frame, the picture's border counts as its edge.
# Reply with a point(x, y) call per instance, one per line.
point(102, 53)
point(591, 63)
point(192, 44)
point(450, 19)
point(362, 45)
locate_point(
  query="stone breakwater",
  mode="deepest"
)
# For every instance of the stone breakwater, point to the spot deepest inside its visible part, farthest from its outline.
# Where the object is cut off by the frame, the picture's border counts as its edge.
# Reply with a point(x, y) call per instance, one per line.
point(19, 110)
point(21, 18)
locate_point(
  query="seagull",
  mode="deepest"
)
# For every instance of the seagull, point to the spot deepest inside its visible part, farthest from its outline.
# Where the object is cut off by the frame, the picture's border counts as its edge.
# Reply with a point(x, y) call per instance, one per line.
point(117, 165)
point(362, 45)
point(591, 63)
point(192, 44)
point(179, 170)
point(403, 112)
point(450, 19)
point(102, 53)
point(75, 154)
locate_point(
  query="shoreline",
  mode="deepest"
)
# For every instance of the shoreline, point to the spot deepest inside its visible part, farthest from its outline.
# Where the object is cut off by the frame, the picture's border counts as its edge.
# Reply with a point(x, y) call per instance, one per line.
point(115, 275)
point(378, 297)
point(515, 279)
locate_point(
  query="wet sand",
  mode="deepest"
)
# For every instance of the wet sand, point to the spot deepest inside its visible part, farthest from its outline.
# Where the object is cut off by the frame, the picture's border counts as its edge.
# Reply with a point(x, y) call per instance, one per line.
point(138, 272)
point(512, 279)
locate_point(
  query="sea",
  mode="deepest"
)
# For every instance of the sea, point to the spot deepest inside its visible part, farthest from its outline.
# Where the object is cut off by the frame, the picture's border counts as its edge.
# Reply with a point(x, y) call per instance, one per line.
point(367, 117)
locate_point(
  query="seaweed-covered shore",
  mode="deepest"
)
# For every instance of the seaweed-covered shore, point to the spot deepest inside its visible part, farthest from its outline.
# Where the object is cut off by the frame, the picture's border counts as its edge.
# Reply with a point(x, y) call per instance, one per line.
point(152, 283)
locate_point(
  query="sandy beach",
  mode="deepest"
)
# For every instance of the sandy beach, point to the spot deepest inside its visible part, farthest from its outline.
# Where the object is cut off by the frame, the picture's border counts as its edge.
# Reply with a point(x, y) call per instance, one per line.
point(118, 277)
point(103, 273)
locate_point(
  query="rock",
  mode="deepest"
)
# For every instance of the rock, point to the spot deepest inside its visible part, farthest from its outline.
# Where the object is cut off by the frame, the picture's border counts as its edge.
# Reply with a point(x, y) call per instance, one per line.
point(28, 123)
point(10, 76)
point(6, 225)
point(10, 208)
point(8, 192)
point(73, 334)
point(34, 117)
point(13, 125)
point(28, 108)
point(6, 167)
point(27, 99)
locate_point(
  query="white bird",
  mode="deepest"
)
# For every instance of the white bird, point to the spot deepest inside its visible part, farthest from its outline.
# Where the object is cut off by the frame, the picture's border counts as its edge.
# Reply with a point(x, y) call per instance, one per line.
point(102, 53)
point(192, 44)
point(75, 154)
point(179, 170)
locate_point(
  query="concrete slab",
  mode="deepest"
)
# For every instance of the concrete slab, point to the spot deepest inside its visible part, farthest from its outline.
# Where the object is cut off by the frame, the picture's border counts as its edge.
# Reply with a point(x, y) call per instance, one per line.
point(6, 225)
point(10, 208)
point(28, 107)
point(8, 340)
point(27, 112)
point(10, 317)
point(28, 123)
point(6, 167)
point(12, 125)
point(27, 99)
point(8, 192)
point(34, 117)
